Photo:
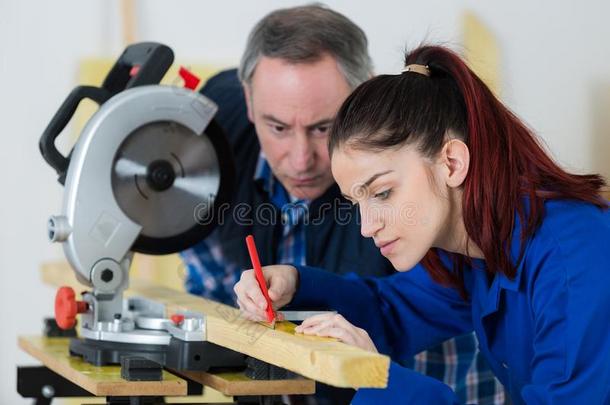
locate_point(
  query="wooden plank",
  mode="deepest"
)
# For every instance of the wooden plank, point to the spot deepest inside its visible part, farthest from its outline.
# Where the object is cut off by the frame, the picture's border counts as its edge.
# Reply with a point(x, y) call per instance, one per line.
point(325, 360)
point(99, 381)
point(237, 383)
point(53, 353)
point(321, 359)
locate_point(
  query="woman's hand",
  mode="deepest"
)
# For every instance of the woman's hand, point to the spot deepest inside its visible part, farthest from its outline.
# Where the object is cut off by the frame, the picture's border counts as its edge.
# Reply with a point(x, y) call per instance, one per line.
point(282, 281)
point(335, 325)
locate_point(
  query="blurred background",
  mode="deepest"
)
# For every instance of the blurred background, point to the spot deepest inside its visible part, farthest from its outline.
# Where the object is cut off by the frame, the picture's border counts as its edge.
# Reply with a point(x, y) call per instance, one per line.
point(549, 61)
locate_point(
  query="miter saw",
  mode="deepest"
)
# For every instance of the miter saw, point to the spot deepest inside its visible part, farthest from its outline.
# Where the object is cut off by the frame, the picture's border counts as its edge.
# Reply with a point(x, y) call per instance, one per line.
point(148, 165)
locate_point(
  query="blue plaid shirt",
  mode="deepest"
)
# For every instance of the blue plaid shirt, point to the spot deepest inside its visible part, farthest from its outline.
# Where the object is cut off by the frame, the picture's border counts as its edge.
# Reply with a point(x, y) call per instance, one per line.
point(210, 275)
point(457, 362)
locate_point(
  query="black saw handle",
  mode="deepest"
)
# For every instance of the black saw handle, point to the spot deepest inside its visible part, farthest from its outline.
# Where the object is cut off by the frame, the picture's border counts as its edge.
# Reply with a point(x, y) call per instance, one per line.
point(150, 60)
point(59, 121)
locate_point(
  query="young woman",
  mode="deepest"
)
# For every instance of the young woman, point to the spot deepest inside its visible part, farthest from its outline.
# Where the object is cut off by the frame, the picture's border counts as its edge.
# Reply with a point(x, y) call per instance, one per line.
point(489, 235)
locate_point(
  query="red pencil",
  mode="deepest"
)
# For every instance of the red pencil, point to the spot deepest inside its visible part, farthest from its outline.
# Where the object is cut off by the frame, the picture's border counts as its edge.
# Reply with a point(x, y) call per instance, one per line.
point(258, 271)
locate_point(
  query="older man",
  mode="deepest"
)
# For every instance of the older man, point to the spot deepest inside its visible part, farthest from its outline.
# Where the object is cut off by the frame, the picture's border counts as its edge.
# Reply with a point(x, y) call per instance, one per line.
point(299, 65)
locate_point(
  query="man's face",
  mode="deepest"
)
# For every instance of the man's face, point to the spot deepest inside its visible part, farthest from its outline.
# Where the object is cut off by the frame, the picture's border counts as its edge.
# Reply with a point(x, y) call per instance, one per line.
point(292, 107)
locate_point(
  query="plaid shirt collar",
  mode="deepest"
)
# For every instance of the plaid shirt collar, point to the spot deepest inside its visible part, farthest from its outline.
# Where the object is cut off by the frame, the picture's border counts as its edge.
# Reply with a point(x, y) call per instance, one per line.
point(292, 208)
point(263, 174)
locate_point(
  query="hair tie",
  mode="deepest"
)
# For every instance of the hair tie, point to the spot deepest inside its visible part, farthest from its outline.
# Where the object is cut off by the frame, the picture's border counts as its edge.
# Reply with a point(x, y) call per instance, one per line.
point(421, 69)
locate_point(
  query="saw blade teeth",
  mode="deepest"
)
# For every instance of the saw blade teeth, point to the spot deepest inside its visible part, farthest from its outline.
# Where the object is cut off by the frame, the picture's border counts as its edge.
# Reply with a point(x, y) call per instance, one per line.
point(165, 208)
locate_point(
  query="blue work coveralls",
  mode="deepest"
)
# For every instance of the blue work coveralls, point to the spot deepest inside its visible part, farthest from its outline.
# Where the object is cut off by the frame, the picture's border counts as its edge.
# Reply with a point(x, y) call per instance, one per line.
point(545, 333)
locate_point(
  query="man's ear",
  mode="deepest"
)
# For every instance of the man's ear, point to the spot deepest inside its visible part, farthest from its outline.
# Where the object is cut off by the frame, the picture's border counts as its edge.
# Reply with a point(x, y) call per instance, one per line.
point(455, 156)
point(248, 97)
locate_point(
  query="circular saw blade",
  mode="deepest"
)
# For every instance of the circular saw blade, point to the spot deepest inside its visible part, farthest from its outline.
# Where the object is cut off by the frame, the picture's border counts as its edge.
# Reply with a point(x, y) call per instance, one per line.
point(169, 210)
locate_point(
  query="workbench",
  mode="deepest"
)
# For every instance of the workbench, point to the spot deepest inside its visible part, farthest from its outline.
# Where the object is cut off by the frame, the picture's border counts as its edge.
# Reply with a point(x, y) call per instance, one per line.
point(67, 376)
point(311, 358)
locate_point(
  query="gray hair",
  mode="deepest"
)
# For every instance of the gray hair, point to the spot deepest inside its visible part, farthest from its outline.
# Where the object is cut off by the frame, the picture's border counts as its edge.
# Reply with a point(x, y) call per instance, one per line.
point(304, 34)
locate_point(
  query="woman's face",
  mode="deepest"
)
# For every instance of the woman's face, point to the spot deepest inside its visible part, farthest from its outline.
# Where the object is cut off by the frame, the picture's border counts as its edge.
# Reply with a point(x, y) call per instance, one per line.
point(401, 196)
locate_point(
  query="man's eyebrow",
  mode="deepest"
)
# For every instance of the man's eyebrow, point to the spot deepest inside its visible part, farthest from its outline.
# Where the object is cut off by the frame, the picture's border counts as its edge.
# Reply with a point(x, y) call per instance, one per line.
point(269, 117)
point(324, 121)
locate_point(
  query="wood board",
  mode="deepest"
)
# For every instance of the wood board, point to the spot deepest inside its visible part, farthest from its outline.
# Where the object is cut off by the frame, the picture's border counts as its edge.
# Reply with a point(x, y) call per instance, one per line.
point(99, 381)
point(106, 380)
point(237, 383)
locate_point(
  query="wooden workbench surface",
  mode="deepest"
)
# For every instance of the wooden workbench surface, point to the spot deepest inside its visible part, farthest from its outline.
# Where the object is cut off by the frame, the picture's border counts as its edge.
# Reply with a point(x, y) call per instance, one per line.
point(99, 381)
point(238, 384)
point(107, 381)
point(321, 359)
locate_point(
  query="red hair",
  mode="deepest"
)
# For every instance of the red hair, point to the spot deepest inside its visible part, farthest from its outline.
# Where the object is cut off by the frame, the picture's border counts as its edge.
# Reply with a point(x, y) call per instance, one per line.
point(507, 162)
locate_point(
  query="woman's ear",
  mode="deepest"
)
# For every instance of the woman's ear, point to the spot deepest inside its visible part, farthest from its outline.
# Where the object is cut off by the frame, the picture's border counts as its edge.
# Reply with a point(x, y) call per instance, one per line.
point(455, 156)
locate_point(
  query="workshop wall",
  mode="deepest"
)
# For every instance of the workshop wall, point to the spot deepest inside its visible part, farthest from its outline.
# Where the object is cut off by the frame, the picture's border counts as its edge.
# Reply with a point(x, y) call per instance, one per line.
point(548, 60)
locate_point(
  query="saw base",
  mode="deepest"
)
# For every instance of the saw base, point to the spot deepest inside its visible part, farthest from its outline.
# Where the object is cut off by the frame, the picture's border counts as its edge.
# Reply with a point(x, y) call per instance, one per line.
point(178, 355)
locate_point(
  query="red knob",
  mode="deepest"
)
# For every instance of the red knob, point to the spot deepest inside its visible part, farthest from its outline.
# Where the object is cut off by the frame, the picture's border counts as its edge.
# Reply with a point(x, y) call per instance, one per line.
point(66, 308)
point(177, 319)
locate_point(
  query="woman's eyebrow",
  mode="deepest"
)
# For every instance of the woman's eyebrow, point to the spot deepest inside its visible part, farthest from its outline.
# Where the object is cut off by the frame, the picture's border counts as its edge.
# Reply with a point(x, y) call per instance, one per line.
point(347, 197)
point(375, 177)
point(369, 182)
